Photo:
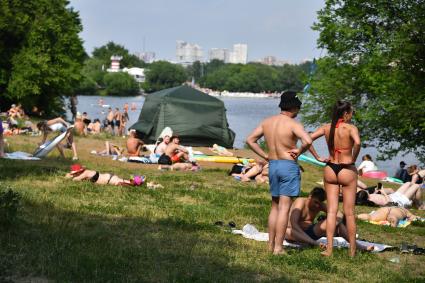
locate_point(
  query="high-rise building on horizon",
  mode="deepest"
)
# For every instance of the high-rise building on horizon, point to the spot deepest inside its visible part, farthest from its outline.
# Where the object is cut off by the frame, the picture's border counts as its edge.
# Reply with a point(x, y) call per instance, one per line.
point(187, 53)
point(219, 54)
point(146, 56)
point(239, 54)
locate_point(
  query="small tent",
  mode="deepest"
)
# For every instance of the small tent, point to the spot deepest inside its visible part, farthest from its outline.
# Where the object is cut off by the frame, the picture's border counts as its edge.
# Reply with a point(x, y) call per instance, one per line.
point(197, 118)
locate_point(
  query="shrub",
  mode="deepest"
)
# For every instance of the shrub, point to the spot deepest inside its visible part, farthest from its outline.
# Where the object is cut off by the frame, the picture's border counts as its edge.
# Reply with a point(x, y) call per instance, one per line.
point(9, 204)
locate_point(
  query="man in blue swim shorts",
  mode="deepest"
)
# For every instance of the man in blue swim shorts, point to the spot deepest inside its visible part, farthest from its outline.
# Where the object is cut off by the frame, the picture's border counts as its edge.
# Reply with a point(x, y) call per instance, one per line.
point(281, 132)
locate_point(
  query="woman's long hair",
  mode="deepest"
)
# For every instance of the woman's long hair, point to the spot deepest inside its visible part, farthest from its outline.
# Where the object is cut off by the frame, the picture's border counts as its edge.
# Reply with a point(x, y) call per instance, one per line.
point(339, 109)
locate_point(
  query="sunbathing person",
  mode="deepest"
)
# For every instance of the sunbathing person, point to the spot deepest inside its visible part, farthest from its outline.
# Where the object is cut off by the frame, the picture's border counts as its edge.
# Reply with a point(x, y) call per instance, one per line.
point(174, 153)
point(258, 172)
point(301, 227)
point(162, 146)
point(391, 214)
point(417, 175)
point(134, 145)
point(405, 196)
point(176, 157)
point(95, 127)
point(367, 165)
point(79, 173)
point(110, 149)
point(58, 125)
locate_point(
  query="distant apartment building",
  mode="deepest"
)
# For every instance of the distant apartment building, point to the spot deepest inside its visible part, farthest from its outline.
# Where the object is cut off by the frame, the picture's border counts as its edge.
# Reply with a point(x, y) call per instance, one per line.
point(219, 54)
point(239, 54)
point(187, 53)
point(269, 60)
point(272, 61)
point(147, 57)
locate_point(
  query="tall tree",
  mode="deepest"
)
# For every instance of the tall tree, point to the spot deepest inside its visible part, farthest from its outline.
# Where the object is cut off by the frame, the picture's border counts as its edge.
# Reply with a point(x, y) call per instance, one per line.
point(162, 75)
point(105, 52)
point(41, 53)
point(375, 59)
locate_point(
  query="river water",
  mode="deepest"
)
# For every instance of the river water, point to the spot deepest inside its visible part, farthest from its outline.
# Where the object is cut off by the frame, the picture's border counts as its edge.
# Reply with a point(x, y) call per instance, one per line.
point(243, 115)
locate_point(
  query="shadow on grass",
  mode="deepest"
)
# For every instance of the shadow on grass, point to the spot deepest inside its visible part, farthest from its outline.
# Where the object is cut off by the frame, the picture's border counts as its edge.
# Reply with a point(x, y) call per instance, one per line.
point(13, 169)
point(67, 246)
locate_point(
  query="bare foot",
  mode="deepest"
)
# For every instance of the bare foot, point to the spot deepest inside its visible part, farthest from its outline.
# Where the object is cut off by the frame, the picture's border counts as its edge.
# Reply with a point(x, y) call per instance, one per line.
point(352, 253)
point(322, 246)
point(270, 246)
point(326, 253)
point(279, 252)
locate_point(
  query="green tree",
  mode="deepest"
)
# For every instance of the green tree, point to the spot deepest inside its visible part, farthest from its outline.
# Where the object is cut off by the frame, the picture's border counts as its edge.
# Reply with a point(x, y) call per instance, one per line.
point(92, 77)
point(105, 52)
point(120, 84)
point(376, 60)
point(41, 53)
point(162, 75)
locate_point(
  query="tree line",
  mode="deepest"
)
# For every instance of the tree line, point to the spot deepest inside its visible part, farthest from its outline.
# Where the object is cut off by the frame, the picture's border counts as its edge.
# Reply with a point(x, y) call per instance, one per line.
point(217, 75)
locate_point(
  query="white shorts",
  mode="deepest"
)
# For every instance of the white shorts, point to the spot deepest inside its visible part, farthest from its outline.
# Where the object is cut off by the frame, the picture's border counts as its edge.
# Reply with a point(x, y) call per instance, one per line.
point(400, 199)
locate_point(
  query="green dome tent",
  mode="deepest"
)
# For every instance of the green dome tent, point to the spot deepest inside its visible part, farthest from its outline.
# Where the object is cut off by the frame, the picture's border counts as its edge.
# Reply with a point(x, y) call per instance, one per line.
point(199, 119)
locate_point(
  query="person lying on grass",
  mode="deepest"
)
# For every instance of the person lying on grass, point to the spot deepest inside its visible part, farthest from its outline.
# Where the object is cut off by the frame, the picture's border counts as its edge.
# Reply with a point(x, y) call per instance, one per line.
point(79, 173)
point(110, 149)
point(405, 196)
point(391, 214)
point(301, 227)
point(258, 172)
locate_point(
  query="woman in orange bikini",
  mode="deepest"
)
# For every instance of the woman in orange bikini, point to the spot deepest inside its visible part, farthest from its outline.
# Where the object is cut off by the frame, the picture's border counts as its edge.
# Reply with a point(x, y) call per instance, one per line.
point(340, 172)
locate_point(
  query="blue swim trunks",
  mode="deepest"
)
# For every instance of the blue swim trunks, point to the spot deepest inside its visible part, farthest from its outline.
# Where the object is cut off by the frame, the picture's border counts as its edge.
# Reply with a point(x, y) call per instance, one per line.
point(285, 178)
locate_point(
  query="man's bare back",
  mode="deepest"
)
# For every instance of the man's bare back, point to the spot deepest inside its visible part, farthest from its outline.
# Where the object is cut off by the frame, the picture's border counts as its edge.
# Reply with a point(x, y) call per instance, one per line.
point(134, 146)
point(306, 215)
point(279, 133)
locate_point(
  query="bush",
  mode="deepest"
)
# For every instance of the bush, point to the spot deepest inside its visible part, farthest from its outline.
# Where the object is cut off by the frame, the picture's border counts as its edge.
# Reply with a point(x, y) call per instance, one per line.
point(121, 84)
point(9, 204)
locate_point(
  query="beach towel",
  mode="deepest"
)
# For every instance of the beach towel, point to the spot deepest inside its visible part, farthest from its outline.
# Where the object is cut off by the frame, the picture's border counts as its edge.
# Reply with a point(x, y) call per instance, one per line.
point(250, 232)
point(20, 155)
point(138, 159)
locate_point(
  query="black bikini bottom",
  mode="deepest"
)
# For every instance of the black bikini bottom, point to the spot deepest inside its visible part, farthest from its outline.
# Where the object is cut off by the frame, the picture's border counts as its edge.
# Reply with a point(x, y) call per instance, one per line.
point(337, 167)
point(95, 177)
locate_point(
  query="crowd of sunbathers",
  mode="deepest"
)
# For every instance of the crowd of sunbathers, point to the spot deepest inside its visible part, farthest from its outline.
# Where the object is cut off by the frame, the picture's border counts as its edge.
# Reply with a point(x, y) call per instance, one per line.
point(303, 225)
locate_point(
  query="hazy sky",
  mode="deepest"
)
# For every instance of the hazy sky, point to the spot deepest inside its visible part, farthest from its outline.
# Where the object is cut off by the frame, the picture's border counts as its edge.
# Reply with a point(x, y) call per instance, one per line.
point(270, 27)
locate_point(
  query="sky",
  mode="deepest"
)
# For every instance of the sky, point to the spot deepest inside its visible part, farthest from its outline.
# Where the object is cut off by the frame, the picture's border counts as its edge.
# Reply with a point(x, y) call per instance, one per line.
point(280, 28)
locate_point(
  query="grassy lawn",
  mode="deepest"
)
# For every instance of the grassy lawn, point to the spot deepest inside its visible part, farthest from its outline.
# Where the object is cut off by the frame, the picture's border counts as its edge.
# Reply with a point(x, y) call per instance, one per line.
point(82, 232)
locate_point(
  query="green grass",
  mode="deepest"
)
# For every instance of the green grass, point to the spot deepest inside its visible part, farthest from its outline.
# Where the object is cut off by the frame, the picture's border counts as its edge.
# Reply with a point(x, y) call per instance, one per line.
point(82, 232)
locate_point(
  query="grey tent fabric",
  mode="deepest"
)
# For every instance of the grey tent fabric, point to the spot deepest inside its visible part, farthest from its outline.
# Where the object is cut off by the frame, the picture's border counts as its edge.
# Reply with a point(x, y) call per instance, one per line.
point(199, 119)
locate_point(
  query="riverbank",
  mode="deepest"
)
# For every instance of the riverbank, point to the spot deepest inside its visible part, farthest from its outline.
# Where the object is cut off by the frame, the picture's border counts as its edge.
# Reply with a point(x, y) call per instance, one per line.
point(82, 232)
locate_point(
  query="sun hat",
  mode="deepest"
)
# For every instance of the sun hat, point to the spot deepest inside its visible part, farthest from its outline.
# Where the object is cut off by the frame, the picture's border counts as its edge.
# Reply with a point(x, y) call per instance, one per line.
point(76, 168)
point(289, 100)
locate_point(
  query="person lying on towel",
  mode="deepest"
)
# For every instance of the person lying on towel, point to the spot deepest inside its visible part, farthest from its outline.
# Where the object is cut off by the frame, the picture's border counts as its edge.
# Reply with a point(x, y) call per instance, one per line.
point(391, 214)
point(407, 195)
point(301, 226)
